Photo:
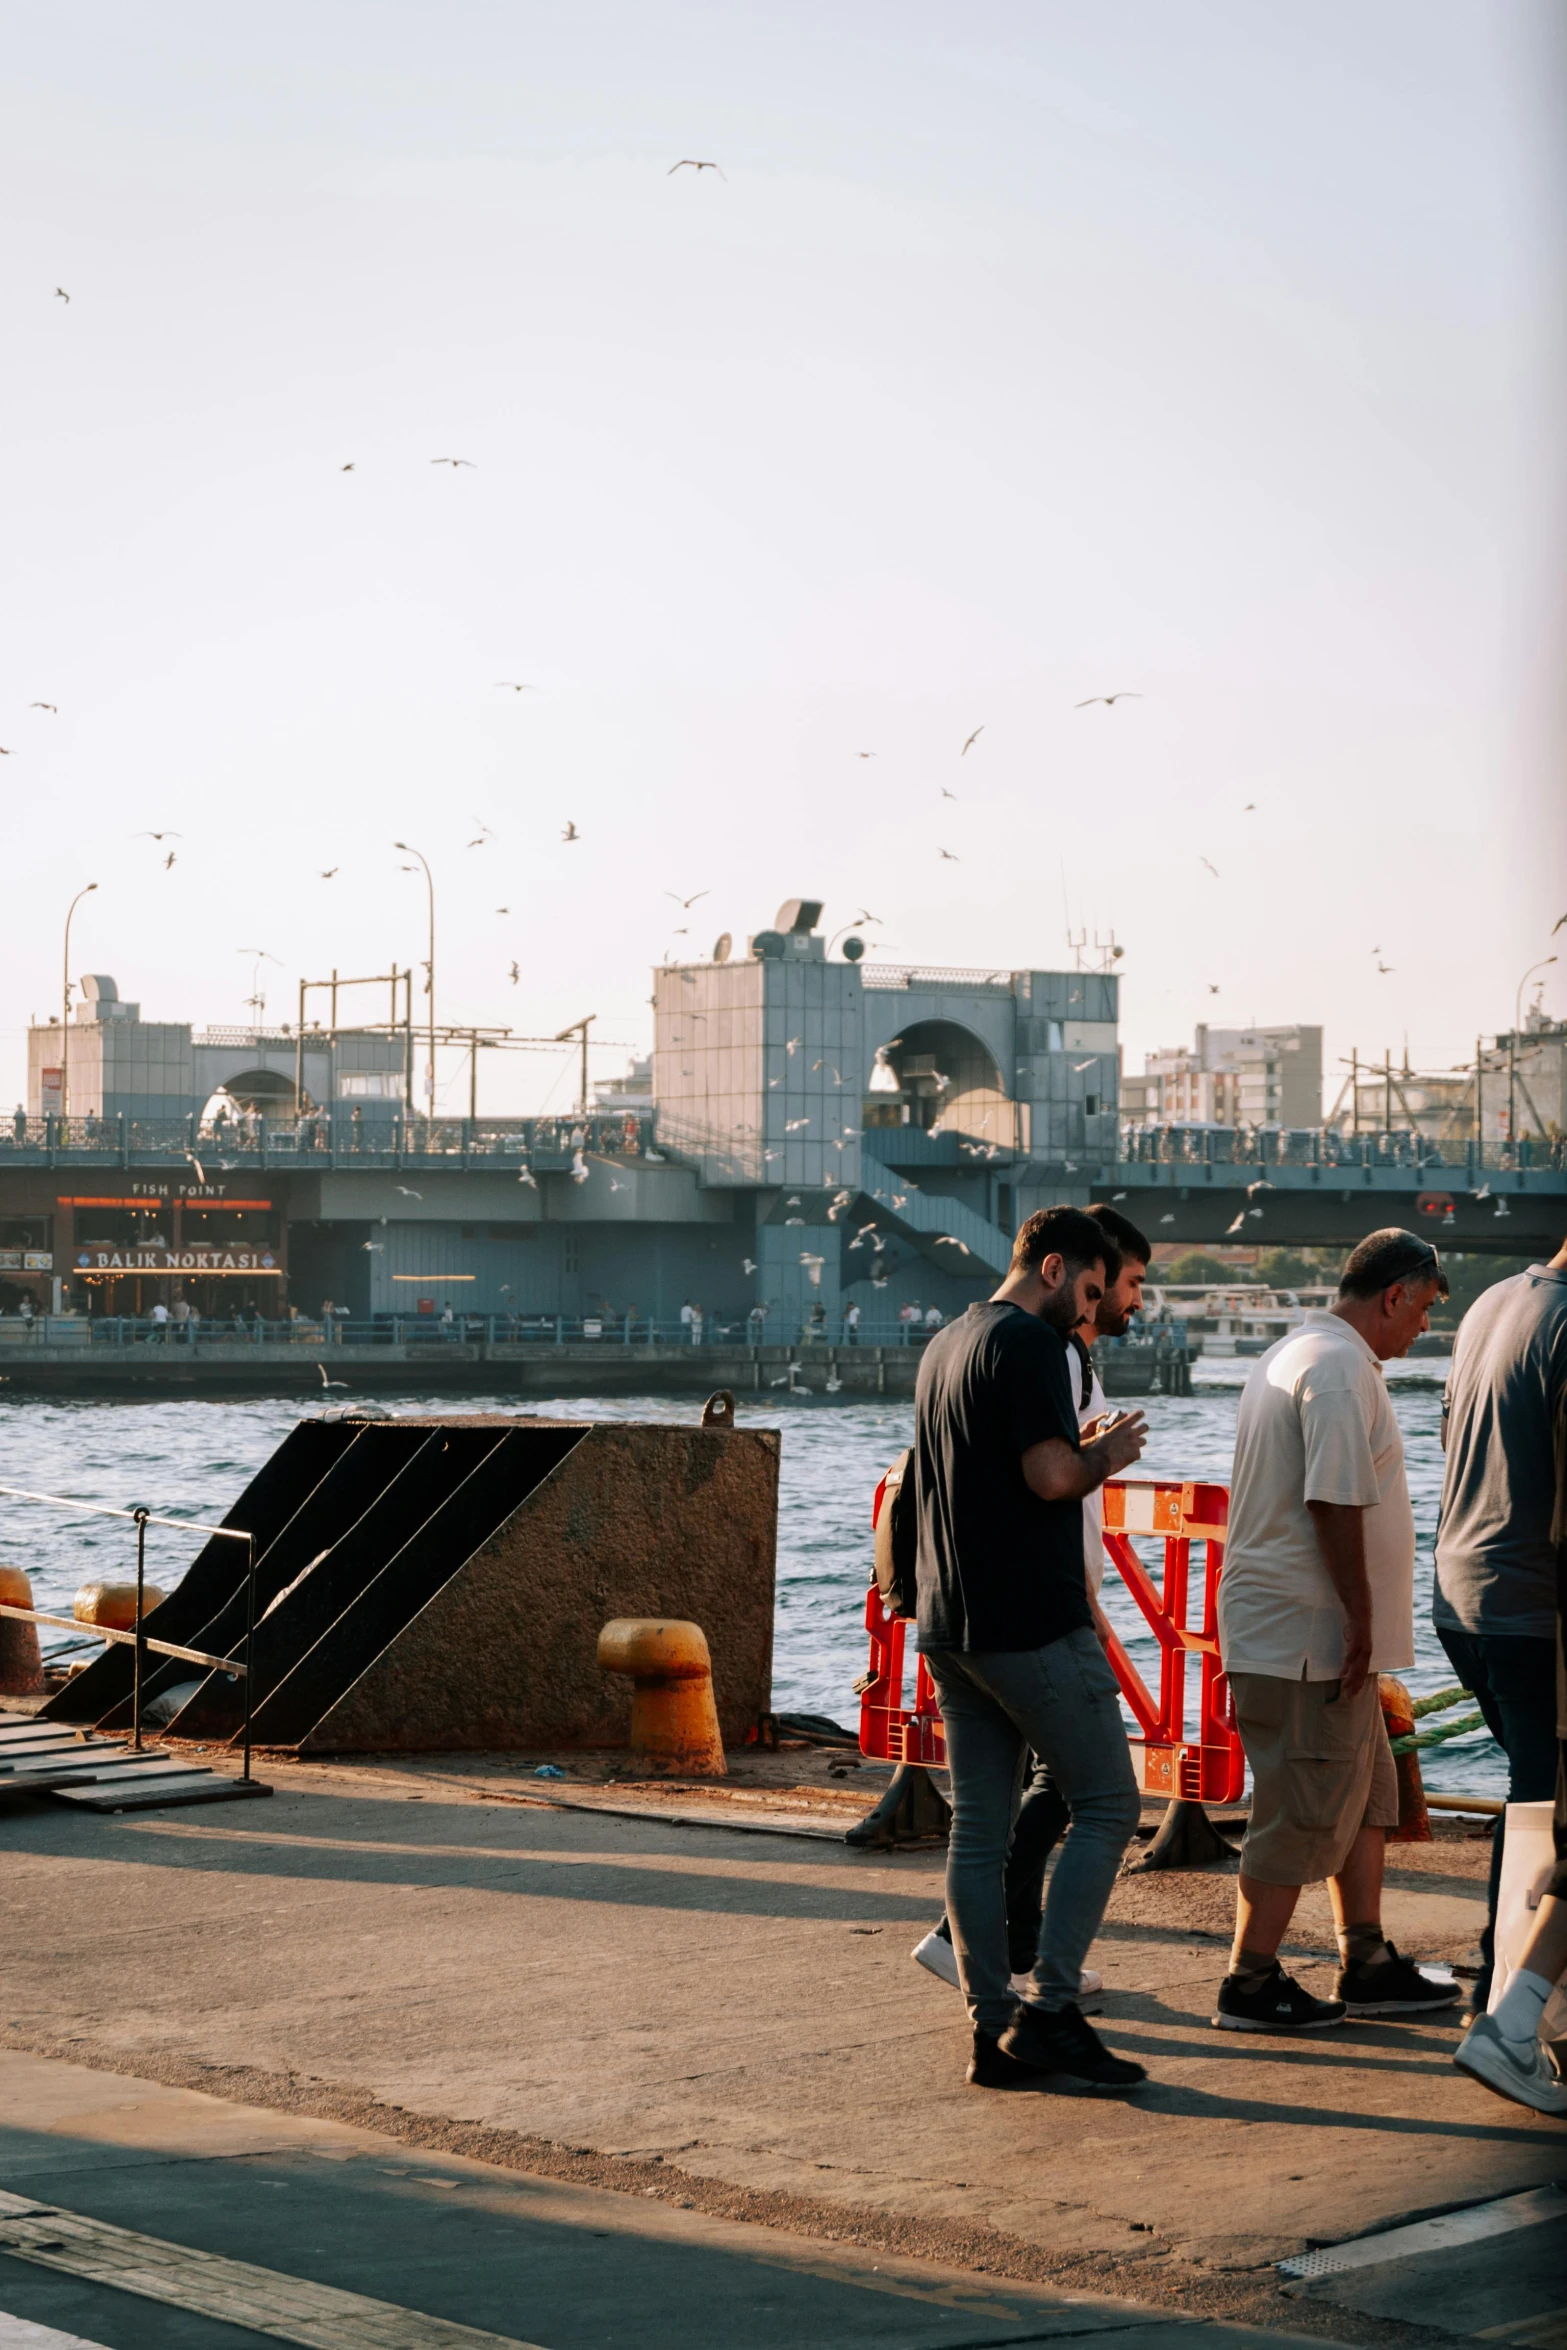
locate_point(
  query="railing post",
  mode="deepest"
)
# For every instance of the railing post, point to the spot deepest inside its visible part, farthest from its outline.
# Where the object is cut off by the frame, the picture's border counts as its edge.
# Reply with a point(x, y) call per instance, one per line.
point(250, 1646)
point(141, 1637)
point(557, 1330)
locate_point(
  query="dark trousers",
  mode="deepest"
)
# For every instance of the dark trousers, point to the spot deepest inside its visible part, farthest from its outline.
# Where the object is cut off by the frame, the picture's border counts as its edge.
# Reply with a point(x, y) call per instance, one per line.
point(1512, 1678)
point(1039, 1827)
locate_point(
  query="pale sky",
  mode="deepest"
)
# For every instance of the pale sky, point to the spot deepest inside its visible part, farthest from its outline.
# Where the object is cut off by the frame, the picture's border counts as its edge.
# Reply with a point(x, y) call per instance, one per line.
point(1023, 353)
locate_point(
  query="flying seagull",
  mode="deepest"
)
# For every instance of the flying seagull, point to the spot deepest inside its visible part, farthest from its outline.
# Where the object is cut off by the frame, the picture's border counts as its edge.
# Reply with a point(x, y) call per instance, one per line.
point(1212, 988)
point(4, 753)
point(1079, 1066)
point(1213, 869)
point(159, 836)
point(1109, 700)
point(61, 294)
point(503, 909)
point(454, 462)
point(331, 873)
point(688, 903)
point(1250, 808)
point(168, 860)
point(690, 163)
point(1556, 925)
point(331, 1383)
point(406, 1192)
point(375, 1247)
point(571, 832)
point(514, 975)
point(49, 706)
point(509, 685)
point(865, 754)
point(201, 1172)
point(948, 795)
point(972, 740)
point(1387, 968)
point(348, 468)
point(951, 859)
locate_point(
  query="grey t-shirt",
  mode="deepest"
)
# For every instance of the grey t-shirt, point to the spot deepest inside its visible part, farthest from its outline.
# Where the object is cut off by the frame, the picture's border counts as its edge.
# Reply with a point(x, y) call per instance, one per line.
point(1495, 1565)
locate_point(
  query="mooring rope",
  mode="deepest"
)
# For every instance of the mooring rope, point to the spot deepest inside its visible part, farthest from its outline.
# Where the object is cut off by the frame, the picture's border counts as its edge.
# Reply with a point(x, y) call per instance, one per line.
point(1414, 1741)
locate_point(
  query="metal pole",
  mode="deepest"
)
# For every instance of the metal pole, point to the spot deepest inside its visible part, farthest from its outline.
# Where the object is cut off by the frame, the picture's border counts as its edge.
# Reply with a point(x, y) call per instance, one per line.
point(250, 1645)
point(1387, 1113)
point(409, 851)
point(1354, 1088)
point(1512, 1084)
point(299, 1056)
point(1479, 1121)
point(473, 1077)
point(65, 1010)
point(141, 1637)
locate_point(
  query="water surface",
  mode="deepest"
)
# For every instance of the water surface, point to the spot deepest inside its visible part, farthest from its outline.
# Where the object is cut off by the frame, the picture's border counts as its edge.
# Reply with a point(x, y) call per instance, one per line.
point(191, 1458)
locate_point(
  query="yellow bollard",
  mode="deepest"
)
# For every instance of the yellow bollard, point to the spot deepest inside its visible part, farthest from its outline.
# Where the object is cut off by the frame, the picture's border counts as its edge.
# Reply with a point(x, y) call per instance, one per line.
point(21, 1665)
point(113, 1604)
point(674, 1721)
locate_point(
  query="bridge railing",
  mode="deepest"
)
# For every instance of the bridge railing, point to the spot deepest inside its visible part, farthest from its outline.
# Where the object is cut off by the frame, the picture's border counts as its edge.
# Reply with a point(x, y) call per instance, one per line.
point(325, 1137)
point(1399, 1149)
point(319, 1334)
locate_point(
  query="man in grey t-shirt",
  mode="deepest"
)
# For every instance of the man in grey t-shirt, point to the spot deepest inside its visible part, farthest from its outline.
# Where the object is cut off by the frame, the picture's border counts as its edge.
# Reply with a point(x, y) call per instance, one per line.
point(1495, 1606)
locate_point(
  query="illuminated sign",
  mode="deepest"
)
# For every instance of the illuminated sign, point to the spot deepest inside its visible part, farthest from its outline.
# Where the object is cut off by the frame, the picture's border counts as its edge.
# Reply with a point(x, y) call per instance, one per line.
point(148, 1195)
point(177, 1260)
point(26, 1260)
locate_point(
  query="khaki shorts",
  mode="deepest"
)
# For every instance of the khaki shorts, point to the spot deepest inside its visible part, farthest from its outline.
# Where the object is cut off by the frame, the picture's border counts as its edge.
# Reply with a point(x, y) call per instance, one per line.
point(1321, 1770)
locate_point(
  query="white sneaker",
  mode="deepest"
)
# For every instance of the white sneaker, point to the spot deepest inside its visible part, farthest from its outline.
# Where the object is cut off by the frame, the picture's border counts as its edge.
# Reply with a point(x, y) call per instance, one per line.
point(937, 1953)
point(1520, 2069)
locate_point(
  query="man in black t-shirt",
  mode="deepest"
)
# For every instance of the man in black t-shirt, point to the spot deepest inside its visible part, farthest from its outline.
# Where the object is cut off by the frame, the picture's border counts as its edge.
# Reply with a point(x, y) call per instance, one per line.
point(1006, 1628)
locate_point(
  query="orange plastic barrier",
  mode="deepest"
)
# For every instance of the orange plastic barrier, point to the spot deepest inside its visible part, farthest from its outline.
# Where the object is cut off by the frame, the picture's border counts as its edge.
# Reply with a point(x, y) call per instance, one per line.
point(1209, 1766)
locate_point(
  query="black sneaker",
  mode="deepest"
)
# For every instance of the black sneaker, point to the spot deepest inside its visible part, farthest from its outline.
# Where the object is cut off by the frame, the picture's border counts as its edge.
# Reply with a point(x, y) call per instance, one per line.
point(1061, 2041)
point(1278, 2004)
point(1395, 1986)
point(990, 2068)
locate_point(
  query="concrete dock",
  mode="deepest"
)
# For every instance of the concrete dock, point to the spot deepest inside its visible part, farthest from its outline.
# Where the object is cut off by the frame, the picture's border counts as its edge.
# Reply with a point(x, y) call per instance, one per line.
point(703, 2035)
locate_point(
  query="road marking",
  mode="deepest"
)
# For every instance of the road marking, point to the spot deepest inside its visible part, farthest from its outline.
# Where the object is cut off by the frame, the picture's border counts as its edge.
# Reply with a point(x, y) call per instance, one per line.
point(19, 2333)
point(233, 2292)
point(1434, 2235)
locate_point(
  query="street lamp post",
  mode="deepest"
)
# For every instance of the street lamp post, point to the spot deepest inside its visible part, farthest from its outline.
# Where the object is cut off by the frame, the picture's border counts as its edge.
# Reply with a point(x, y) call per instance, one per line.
point(409, 851)
point(1512, 1049)
point(65, 1005)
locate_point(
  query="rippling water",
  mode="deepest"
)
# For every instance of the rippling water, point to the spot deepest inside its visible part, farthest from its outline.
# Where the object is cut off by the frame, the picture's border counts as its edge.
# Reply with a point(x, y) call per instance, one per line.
point(191, 1458)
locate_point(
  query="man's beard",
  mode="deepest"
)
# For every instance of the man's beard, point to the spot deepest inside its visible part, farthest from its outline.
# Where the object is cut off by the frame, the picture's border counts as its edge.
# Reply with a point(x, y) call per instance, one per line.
point(1061, 1310)
point(1113, 1325)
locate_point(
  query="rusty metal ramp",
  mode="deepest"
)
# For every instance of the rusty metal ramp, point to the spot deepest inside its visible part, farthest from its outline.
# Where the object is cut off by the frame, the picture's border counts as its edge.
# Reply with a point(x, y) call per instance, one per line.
point(428, 1584)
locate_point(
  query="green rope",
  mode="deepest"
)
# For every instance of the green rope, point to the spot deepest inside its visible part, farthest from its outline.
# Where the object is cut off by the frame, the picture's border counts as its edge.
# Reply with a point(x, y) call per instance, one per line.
point(1440, 1699)
point(1416, 1739)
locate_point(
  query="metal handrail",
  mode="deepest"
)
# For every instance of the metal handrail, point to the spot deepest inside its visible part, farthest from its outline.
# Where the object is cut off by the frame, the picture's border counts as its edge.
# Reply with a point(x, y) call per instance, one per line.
point(141, 1519)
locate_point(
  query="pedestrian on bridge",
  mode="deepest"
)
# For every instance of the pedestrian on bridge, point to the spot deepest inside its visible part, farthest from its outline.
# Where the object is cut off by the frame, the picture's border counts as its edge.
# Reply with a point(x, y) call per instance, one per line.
point(1006, 1629)
point(1317, 1598)
point(1496, 1565)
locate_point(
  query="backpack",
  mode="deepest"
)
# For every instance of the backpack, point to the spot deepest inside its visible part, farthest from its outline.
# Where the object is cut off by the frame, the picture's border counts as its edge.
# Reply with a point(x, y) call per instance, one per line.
point(896, 1526)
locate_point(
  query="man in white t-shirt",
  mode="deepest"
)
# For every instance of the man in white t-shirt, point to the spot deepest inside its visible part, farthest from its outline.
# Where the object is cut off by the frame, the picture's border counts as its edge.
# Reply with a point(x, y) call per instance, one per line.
point(1317, 1598)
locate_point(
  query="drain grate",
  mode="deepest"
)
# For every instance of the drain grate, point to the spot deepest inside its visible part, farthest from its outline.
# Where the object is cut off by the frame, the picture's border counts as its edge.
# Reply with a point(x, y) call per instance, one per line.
point(1528, 2210)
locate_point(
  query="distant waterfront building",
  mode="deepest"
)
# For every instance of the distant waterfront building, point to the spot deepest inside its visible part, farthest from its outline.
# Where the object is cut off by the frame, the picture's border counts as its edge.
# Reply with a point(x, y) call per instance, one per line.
point(811, 1129)
point(122, 1066)
point(1231, 1077)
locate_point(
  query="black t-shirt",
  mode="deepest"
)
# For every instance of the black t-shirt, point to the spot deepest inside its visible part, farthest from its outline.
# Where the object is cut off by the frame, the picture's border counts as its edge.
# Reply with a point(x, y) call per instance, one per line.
point(998, 1567)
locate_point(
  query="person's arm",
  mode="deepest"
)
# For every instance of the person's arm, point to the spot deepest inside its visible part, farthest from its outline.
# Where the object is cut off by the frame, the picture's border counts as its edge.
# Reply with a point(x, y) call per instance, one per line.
point(1058, 1471)
point(1340, 1528)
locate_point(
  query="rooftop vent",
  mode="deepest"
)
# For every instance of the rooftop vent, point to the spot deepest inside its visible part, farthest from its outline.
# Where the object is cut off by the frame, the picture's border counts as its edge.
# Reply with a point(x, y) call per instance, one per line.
point(798, 915)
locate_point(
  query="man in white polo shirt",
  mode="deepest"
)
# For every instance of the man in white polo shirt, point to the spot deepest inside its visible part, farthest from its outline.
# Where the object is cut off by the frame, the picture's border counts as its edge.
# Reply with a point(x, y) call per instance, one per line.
point(1317, 1598)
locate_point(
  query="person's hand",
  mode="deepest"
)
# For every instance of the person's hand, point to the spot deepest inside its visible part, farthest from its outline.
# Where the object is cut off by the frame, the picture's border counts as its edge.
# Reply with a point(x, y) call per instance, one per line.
point(1121, 1445)
point(1357, 1656)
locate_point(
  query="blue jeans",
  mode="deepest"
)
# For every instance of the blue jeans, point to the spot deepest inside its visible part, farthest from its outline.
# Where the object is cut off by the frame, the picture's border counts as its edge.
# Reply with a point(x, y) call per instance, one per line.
point(1512, 1677)
point(1063, 1702)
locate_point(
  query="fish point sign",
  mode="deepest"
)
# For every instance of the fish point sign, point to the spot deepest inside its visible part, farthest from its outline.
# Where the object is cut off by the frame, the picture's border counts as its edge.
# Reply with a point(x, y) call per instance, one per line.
point(177, 1260)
